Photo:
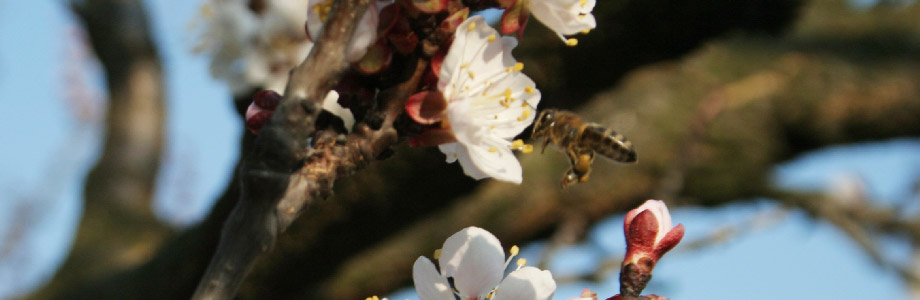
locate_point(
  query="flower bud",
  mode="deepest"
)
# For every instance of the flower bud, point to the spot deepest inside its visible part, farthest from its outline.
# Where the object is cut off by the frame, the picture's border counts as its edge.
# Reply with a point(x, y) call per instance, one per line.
point(649, 235)
point(261, 109)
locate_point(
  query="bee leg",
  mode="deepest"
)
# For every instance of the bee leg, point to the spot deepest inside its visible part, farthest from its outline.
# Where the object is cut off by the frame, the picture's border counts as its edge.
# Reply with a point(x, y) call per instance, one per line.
point(545, 143)
point(582, 165)
point(581, 160)
point(569, 178)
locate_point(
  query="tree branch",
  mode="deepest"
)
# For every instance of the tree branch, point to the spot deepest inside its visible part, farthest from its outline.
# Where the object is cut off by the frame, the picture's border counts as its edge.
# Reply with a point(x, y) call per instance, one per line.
point(272, 196)
point(118, 228)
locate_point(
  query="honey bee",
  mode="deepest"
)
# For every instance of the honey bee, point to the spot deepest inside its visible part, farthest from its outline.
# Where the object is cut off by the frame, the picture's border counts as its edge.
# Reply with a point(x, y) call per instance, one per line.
point(581, 140)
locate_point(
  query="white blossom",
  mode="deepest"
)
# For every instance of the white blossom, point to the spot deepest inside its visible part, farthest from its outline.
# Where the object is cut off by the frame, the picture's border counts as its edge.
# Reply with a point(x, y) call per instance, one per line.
point(565, 17)
point(252, 49)
point(257, 49)
point(474, 259)
point(489, 101)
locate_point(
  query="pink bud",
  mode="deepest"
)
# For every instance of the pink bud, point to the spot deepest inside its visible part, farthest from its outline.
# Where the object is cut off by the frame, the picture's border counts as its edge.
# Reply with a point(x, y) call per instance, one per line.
point(266, 99)
point(261, 109)
point(427, 107)
point(649, 233)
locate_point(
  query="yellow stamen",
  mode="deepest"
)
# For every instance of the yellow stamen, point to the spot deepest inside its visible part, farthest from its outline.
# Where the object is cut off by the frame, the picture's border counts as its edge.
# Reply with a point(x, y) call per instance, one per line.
point(464, 65)
point(518, 66)
point(527, 149)
point(493, 149)
point(586, 31)
point(472, 27)
point(516, 144)
point(496, 117)
point(583, 3)
point(506, 101)
point(472, 76)
point(530, 90)
point(521, 262)
point(323, 9)
point(491, 126)
point(514, 249)
point(571, 42)
point(437, 252)
point(524, 115)
point(492, 38)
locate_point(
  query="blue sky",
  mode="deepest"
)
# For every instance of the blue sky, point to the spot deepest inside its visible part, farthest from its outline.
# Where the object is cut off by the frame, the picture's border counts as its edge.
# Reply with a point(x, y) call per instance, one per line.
point(41, 141)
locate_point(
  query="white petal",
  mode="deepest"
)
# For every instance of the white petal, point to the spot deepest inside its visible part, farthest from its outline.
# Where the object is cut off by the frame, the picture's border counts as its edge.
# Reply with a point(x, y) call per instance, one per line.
point(475, 259)
point(470, 53)
point(451, 150)
point(564, 16)
point(314, 20)
point(506, 119)
point(428, 282)
point(365, 34)
point(481, 153)
point(493, 159)
point(527, 283)
point(284, 18)
point(331, 104)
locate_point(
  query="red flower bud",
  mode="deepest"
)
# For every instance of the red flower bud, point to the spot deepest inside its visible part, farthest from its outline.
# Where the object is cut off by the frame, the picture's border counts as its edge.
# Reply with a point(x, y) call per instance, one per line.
point(261, 109)
point(648, 232)
point(648, 236)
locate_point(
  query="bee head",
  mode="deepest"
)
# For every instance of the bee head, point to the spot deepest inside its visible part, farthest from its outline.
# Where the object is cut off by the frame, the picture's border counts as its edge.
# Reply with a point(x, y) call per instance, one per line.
point(544, 122)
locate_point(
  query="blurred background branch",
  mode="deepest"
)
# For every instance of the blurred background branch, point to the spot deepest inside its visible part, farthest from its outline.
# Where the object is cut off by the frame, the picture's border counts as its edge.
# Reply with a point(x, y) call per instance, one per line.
point(118, 228)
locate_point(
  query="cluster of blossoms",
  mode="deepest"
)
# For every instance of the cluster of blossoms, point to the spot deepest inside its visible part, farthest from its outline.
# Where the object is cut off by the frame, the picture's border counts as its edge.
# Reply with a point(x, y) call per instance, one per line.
point(474, 101)
point(472, 262)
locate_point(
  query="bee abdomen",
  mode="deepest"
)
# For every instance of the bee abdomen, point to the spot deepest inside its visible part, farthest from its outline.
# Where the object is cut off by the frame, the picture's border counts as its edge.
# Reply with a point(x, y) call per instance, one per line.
point(608, 143)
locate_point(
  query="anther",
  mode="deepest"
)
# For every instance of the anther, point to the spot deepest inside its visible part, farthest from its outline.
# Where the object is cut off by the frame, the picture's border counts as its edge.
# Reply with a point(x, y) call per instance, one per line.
point(527, 149)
